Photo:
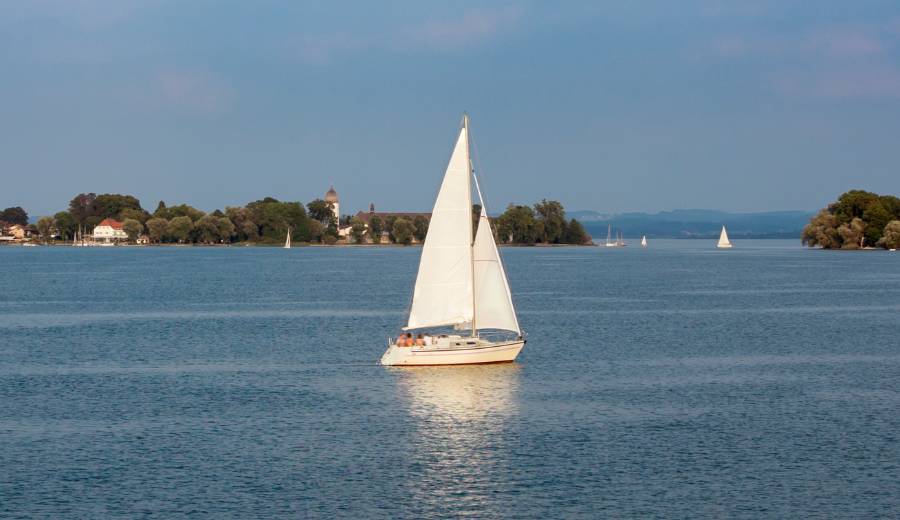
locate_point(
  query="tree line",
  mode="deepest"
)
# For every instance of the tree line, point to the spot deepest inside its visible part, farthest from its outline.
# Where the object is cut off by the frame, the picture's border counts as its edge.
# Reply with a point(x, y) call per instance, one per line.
point(857, 219)
point(542, 223)
point(268, 221)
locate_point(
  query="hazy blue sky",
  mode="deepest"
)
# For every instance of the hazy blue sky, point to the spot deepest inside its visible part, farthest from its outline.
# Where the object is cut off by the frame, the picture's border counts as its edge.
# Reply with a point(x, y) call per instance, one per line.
point(614, 106)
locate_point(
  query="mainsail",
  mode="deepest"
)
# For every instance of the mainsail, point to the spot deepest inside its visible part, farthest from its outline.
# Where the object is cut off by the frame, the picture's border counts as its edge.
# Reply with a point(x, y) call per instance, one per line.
point(444, 285)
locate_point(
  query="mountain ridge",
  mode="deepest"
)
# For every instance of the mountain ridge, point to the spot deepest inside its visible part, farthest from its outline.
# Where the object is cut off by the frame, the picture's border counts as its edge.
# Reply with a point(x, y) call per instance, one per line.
point(695, 223)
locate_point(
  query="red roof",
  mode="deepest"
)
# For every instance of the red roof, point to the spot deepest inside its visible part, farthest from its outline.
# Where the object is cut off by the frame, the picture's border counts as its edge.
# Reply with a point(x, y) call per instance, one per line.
point(115, 224)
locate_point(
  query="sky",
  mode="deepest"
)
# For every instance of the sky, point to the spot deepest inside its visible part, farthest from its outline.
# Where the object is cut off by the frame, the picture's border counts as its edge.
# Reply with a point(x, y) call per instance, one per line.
point(607, 106)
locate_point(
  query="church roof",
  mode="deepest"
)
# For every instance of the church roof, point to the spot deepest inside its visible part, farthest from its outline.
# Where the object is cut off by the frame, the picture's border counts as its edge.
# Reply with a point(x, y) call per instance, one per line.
point(331, 195)
point(366, 215)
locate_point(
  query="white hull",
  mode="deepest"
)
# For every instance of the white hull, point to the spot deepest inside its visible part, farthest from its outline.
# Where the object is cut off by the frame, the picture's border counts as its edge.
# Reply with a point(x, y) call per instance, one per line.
point(480, 353)
point(724, 246)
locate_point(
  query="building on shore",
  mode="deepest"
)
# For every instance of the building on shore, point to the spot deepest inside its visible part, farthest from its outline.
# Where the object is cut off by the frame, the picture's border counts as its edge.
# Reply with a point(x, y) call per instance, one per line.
point(17, 231)
point(109, 231)
point(365, 217)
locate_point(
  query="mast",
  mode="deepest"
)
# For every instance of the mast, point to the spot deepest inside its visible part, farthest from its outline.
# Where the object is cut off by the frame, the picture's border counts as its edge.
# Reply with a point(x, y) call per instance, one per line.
point(469, 218)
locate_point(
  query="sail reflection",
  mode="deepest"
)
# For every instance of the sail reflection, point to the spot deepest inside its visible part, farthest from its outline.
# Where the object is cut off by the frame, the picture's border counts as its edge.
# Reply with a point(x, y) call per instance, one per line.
point(461, 416)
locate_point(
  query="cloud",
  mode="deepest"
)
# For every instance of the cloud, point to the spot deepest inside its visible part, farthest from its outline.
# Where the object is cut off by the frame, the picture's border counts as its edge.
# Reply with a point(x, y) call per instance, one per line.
point(829, 42)
point(471, 28)
point(852, 81)
point(830, 62)
point(475, 27)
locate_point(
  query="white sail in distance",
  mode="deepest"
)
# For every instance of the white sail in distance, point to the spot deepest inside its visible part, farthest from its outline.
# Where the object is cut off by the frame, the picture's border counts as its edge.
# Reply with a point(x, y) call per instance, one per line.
point(724, 243)
point(444, 285)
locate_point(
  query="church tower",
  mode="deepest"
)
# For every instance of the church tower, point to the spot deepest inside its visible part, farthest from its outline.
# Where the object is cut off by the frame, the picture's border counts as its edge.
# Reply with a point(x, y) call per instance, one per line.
point(332, 197)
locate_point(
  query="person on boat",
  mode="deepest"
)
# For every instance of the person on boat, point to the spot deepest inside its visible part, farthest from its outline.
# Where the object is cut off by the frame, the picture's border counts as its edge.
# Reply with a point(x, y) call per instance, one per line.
point(420, 341)
point(401, 341)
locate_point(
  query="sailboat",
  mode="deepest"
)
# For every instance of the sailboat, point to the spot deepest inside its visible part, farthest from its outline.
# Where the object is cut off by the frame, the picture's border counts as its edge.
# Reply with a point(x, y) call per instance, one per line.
point(287, 240)
point(461, 282)
point(620, 241)
point(724, 243)
point(609, 241)
point(644, 241)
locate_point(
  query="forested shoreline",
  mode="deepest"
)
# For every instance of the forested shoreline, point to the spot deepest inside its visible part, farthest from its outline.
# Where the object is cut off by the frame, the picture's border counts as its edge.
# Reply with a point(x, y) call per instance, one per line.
point(267, 221)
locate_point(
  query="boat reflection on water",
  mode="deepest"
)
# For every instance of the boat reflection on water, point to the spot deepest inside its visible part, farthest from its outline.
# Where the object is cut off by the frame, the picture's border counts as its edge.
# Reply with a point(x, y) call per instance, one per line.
point(460, 417)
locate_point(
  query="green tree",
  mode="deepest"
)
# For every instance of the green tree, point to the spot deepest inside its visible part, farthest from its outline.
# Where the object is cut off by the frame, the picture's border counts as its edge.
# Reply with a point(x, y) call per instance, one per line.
point(109, 205)
point(553, 217)
point(65, 224)
point(206, 229)
point(156, 229)
point(322, 211)
point(161, 211)
point(890, 238)
point(876, 217)
point(389, 227)
point(135, 214)
point(376, 228)
point(82, 207)
point(15, 215)
point(517, 225)
point(45, 228)
point(249, 230)
point(852, 234)
point(420, 224)
point(575, 234)
point(316, 232)
point(226, 228)
point(184, 210)
point(92, 221)
point(851, 204)
point(402, 231)
point(331, 231)
point(133, 228)
point(273, 218)
point(357, 230)
point(180, 228)
point(822, 231)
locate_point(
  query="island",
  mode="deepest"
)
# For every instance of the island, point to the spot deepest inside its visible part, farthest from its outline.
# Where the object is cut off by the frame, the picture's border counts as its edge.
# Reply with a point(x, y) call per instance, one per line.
point(857, 220)
point(117, 219)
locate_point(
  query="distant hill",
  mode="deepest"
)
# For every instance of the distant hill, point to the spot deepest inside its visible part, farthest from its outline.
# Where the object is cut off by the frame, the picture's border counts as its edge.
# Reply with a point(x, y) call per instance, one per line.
point(695, 223)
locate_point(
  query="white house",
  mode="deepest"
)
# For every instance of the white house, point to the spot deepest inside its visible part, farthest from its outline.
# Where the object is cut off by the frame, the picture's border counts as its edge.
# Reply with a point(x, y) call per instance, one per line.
point(109, 230)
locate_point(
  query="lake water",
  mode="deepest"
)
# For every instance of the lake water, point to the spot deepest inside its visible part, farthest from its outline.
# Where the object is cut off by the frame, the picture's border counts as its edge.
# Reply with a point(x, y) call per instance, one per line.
point(676, 381)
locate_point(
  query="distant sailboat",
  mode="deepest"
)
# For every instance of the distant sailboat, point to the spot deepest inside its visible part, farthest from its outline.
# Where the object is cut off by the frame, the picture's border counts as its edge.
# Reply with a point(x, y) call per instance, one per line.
point(644, 241)
point(461, 281)
point(724, 243)
point(618, 242)
point(287, 241)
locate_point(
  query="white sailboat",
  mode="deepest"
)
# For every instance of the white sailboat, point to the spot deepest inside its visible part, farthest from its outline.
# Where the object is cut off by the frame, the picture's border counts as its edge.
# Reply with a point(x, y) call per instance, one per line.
point(461, 282)
point(618, 242)
point(644, 241)
point(724, 243)
point(287, 240)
